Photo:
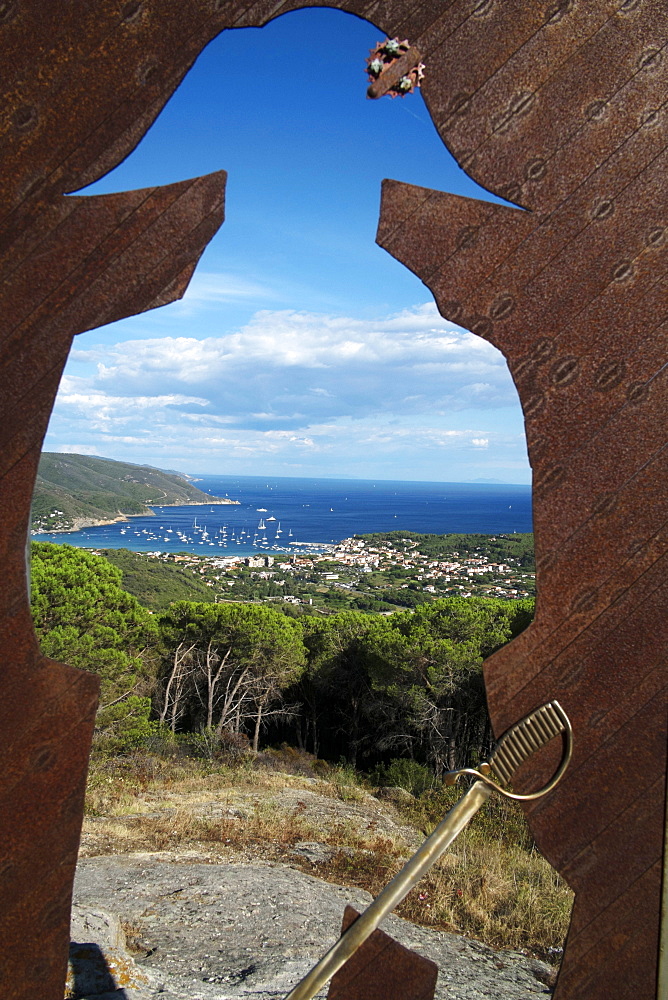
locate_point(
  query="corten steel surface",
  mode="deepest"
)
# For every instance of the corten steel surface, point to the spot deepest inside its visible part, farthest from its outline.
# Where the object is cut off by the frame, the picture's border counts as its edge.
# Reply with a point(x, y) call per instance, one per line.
point(558, 106)
point(382, 969)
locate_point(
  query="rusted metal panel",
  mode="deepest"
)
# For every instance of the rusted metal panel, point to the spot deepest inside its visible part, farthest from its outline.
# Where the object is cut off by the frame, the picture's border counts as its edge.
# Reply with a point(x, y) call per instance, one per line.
point(382, 969)
point(129, 252)
point(599, 968)
point(570, 307)
point(560, 106)
point(630, 586)
point(538, 73)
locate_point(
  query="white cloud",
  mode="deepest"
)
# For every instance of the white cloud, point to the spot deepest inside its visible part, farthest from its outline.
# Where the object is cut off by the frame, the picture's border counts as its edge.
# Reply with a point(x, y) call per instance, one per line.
point(293, 366)
point(296, 388)
point(78, 449)
point(210, 287)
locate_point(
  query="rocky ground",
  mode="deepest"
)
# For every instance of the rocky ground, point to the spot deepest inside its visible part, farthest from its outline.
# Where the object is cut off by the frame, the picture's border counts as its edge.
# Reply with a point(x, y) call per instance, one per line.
point(194, 923)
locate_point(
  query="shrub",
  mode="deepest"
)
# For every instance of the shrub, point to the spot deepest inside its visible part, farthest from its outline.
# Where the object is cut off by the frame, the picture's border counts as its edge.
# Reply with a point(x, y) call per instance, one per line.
point(207, 744)
point(405, 773)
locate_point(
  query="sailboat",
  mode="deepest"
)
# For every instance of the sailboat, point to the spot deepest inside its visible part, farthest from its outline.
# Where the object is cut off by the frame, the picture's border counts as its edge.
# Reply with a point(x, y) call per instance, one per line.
point(278, 529)
point(261, 526)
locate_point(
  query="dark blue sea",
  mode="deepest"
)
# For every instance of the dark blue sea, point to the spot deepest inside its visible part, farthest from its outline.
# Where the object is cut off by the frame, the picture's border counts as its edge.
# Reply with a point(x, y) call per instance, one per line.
point(280, 514)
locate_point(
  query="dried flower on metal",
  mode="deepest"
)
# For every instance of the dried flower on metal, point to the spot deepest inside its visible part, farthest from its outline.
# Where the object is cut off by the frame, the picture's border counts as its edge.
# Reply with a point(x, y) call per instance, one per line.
point(394, 67)
point(393, 47)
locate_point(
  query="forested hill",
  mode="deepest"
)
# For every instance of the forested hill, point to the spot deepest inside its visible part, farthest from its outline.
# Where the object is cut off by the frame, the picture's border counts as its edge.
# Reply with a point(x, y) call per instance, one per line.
point(516, 548)
point(75, 490)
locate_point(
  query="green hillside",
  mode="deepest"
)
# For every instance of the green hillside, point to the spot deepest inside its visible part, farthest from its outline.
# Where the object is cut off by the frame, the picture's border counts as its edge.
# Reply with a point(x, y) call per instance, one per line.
point(73, 490)
point(157, 584)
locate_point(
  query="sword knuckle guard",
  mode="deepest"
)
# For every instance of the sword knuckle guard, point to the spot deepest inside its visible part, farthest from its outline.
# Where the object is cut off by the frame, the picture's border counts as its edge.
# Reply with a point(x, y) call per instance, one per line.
point(527, 736)
point(518, 743)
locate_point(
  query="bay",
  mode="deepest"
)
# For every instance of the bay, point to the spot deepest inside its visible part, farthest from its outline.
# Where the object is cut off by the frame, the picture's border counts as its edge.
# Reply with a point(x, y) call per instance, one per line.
point(290, 514)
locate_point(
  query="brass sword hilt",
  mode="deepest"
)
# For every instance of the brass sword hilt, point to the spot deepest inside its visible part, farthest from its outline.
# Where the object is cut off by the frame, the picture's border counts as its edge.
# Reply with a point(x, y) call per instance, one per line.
point(524, 738)
point(514, 747)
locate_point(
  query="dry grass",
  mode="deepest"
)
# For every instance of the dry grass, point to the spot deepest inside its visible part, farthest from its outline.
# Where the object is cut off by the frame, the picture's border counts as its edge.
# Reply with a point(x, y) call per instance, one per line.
point(500, 895)
point(139, 782)
point(492, 885)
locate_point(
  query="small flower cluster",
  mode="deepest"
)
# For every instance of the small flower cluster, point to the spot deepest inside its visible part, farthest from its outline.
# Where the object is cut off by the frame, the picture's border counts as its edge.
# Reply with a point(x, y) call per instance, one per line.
point(385, 55)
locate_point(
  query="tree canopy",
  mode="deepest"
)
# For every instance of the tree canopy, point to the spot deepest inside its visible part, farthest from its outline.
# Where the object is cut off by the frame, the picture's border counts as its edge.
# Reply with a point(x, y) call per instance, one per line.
point(83, 617)
point(365, 687)
point(427, 667)
point(226, 664)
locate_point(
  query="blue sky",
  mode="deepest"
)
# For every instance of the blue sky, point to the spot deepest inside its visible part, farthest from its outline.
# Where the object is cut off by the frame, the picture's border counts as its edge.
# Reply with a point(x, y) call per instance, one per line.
point(301, 348)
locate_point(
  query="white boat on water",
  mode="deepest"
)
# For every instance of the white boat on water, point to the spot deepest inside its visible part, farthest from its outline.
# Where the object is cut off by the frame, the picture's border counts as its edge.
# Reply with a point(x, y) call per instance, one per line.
point(261, 526)
point(272, 518)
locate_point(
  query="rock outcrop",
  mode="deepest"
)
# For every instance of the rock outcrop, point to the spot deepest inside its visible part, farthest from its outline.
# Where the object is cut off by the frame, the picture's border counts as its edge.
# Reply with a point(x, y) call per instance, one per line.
point(100, 964)
point(227, 931)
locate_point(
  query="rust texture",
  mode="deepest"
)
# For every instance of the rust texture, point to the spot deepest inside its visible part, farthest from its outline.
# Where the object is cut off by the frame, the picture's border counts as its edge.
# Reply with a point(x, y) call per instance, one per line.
point(557, 105)
point(394, 68)
point(382, 969)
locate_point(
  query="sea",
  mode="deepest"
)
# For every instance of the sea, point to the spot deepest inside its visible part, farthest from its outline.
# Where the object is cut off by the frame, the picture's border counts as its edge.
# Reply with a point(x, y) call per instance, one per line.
point(301, 515)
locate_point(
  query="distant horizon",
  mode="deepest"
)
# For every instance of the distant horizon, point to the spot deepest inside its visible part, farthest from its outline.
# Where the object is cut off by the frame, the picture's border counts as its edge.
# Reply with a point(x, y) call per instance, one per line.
point(300, 511)
point(479, 481)
point(357, 479)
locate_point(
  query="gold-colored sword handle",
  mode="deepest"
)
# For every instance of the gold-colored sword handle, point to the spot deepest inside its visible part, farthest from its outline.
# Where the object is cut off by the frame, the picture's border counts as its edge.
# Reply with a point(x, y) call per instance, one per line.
point(393, 893)
point(517, 744)
point(514, 747)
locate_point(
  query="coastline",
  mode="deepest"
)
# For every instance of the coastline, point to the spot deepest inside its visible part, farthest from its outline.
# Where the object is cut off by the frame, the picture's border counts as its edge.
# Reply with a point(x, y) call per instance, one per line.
point(308, 511)
point(198, 503)
point(79, 523)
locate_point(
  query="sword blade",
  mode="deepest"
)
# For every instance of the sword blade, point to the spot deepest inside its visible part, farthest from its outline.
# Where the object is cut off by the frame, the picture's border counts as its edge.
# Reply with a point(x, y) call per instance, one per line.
point(447, 830)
